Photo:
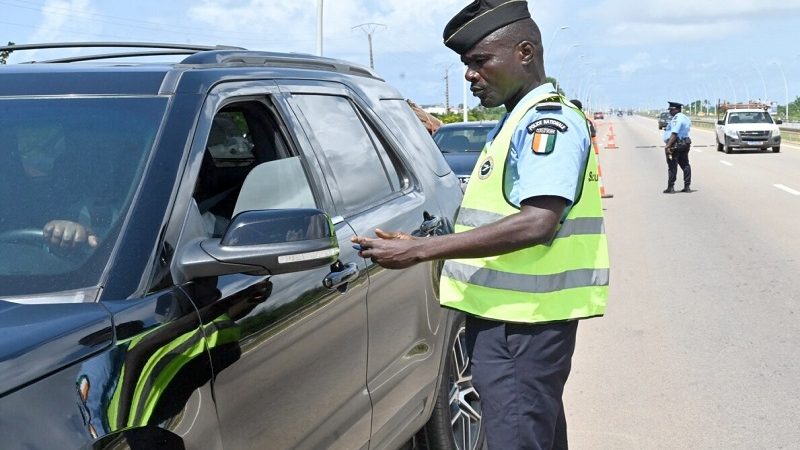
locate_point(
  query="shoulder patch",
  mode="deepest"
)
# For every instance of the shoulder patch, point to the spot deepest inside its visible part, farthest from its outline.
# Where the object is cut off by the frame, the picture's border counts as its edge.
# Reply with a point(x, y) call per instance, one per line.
point(549, 106)
point(547, 125)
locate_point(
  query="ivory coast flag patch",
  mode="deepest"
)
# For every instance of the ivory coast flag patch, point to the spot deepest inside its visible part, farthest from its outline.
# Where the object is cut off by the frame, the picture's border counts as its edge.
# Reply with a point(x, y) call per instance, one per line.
point(545, 131)
point(544, 141)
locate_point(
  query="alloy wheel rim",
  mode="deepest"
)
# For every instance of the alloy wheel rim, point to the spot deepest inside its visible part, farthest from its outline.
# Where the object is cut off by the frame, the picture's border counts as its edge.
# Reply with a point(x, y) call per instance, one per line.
point(465, 407)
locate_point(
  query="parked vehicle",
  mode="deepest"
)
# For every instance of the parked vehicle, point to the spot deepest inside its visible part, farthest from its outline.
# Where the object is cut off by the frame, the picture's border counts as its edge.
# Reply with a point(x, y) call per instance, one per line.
point(461, 144)
point(598, 115)
point(222, 305)
point(663, 120)
point(746, 126)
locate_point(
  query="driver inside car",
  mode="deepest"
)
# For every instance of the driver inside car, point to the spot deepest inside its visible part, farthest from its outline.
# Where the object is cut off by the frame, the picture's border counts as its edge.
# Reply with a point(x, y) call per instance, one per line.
point(68, 234)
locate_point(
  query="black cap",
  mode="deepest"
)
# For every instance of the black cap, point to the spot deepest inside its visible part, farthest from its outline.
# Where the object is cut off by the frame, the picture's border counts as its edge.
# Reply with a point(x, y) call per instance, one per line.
point(479, 19)
point(675, 105)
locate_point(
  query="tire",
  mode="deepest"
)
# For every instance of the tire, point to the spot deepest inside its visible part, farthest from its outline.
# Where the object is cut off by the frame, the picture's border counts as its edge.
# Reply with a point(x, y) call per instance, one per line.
point(720, 147)
point(776, 149)
point(455, 423)
point(727, 149)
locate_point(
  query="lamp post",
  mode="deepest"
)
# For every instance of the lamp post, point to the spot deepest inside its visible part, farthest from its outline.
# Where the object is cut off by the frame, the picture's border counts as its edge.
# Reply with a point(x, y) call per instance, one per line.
point(730, 82)
point(555, 33)
point(319, 27)
point(785, 88)
point(763, 83)
point(561, 66)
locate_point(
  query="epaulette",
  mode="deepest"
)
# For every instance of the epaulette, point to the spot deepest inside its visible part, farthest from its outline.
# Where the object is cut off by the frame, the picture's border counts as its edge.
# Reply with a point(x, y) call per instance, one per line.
point(549, 106)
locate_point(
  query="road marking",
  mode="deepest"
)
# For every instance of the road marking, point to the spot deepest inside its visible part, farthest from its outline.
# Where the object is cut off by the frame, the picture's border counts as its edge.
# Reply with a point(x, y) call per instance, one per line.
point(726, 163)
point(787, 189)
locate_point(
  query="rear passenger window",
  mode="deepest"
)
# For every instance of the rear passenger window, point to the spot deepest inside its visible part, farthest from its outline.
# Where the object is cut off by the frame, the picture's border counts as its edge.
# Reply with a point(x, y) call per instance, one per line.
point(364, 172)
point(412, 135)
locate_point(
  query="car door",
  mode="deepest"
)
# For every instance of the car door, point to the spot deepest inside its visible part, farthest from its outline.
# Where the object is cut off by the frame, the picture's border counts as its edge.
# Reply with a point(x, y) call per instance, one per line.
point(373, 187)
point(289, 351)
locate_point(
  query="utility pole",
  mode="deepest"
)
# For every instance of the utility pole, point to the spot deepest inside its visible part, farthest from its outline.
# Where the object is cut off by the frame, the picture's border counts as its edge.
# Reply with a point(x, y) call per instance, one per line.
point(369, 28)
point(447, 88)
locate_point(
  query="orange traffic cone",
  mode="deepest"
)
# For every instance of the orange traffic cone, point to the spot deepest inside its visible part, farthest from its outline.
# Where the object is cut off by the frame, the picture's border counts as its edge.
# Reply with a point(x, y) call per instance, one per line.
point(603, 193)
point(611, 138)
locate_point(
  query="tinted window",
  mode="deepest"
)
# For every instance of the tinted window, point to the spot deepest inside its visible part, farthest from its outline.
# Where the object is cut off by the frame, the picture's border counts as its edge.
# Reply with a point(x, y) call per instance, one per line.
point(409, 131)
point(360, 172)
point(462, 139)
point(76, 161)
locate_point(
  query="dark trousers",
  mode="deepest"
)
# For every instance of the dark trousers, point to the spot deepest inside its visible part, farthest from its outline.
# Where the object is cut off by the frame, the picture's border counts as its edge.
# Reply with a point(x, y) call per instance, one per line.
point(519, 371)
point(679, 158)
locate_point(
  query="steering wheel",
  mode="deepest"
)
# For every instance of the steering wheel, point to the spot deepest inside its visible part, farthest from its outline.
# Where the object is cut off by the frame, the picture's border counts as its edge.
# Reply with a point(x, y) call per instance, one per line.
point(27, 236)
point(34, 237)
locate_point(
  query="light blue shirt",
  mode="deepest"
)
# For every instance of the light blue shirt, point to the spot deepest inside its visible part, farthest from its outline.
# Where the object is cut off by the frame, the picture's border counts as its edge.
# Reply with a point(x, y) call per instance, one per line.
point(667, 132)
point(557, 173)
point(680, 124)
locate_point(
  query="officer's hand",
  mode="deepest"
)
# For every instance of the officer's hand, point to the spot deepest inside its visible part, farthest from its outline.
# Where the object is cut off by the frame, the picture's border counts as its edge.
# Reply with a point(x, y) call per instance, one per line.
point(68, 234)
point(393, 235)
point(396, 251)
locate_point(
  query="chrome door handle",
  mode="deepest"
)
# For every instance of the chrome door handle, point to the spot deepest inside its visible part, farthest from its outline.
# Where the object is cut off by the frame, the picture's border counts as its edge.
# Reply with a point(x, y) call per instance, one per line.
point(340, 275)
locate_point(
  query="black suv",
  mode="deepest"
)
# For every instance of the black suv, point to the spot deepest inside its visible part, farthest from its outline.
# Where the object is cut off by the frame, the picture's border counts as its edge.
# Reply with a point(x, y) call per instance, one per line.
point(175, 260)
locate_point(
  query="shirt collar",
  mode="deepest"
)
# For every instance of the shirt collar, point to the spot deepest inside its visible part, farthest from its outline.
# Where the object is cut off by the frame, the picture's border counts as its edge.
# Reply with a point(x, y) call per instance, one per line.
point(537, 91)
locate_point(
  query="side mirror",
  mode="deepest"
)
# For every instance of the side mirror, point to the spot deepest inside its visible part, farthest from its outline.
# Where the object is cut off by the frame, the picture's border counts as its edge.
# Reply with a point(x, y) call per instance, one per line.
point(264, 242)
point(721, 122)
point(778, 121)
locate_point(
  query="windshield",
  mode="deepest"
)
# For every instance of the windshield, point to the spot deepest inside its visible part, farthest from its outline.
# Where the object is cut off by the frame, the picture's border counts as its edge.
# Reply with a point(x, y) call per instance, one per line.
point(68, 170)
point(750, 117)
point(462, 139)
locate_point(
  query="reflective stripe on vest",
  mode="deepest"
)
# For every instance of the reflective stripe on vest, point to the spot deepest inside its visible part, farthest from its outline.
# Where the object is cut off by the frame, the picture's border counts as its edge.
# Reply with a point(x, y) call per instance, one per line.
point(566, 278)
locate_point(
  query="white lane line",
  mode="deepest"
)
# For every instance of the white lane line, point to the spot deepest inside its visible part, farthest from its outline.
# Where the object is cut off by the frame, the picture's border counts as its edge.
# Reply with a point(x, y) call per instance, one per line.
point(726, 163)
point(787, 189)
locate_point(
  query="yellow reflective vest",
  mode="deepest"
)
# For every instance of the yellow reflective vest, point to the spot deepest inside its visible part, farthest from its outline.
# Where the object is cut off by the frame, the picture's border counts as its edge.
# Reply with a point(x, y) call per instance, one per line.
point(564, 279)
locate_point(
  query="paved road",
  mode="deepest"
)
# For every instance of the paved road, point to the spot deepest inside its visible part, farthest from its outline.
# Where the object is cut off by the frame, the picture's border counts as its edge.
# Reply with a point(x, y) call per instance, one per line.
point(700, 347)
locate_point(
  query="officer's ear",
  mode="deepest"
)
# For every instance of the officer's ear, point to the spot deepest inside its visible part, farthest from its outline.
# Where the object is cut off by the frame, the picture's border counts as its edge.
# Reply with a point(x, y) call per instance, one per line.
point(527, 51)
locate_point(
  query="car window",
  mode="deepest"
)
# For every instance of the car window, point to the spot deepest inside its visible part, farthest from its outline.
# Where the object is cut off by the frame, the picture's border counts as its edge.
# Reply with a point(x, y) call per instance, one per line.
point(461, 139)
point(360, 168)
point(247, 166)
point(407, 129)
point(77, 161)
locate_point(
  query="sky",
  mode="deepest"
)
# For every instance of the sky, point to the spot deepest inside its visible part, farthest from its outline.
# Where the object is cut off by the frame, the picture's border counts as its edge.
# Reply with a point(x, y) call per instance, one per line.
point(609, 53)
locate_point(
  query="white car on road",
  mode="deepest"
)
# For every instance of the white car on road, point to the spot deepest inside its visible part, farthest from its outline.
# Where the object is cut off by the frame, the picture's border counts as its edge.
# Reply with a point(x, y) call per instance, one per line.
point(748, 129)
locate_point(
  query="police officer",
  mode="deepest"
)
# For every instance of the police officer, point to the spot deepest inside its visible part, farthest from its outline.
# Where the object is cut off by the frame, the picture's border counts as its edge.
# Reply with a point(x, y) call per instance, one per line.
point(678, 143)
point(529, 256)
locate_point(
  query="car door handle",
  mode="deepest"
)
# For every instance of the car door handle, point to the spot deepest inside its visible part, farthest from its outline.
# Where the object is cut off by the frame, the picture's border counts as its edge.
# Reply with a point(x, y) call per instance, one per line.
point(340, 275)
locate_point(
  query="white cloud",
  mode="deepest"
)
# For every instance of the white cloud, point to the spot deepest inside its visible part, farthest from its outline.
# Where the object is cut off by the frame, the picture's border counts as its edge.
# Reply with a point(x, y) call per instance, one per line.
point(60, 19)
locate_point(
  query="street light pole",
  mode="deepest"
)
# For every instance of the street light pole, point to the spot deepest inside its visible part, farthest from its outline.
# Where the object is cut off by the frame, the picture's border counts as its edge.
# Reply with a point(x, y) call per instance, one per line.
point(319, 27)
point(557, 75)
point(553, 37)
point(785, 88)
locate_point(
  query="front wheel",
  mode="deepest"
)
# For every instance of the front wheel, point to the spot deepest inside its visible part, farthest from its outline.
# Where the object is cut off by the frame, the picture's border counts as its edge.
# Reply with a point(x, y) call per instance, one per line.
point(720, 147)
point(776, 149)
point(456, 420)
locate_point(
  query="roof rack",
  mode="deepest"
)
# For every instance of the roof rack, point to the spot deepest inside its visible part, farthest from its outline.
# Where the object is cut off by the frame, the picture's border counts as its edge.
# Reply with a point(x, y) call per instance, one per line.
point(165, 49)
point(266, 59)
point(200, 55)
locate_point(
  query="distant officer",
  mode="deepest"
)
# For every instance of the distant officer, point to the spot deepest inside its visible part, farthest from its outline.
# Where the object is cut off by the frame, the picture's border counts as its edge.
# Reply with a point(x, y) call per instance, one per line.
point(676, 137)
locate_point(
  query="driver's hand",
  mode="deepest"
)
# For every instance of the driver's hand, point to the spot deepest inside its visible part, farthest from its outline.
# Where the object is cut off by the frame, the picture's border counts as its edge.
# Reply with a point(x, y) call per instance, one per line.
point(68, 234)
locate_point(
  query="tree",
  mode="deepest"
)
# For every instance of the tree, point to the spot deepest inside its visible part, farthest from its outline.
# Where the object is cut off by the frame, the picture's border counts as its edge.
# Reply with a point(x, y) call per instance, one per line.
point(5, 54)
